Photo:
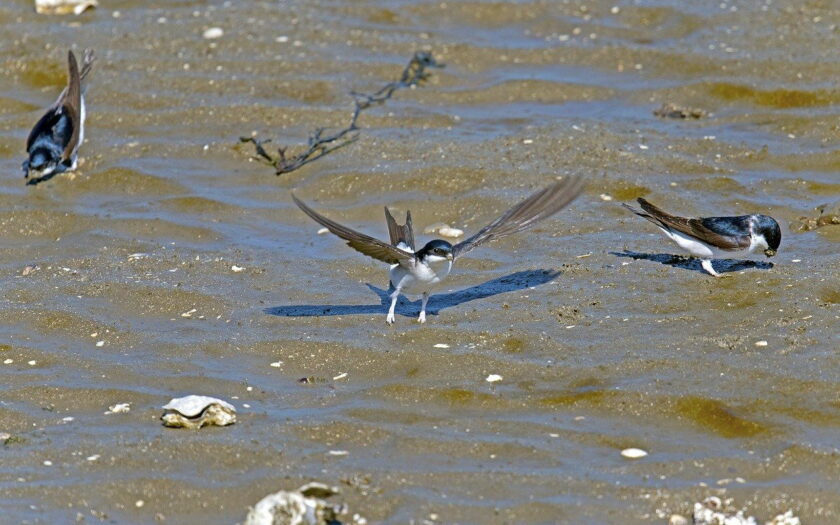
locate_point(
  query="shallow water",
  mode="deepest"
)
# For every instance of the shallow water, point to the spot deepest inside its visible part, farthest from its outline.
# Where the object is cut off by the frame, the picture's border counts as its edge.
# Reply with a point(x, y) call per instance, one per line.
point(603, 341)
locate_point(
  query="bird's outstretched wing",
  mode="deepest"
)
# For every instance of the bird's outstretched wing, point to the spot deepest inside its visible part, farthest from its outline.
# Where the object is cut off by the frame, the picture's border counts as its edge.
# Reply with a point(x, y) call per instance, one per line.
point(358, 241)
point(539, 206)
point(708, 230)
point(400, 234)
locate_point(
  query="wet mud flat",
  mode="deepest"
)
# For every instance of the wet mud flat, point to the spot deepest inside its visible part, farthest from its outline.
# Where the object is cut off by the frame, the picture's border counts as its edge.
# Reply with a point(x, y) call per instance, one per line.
point(170, 264)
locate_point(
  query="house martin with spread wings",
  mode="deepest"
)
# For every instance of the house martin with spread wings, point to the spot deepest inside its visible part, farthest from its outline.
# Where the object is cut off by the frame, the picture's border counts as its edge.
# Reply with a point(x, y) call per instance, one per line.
point(419, 272)
point(715, 237)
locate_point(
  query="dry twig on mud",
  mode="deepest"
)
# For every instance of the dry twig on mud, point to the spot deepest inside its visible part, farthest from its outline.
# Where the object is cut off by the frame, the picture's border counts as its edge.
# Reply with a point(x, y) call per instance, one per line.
point(320, 144)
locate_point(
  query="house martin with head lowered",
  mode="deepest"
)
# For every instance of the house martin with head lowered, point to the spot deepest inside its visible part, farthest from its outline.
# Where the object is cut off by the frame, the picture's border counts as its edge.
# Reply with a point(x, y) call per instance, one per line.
point(714, 237)
point(419, 272)
point(54, 142)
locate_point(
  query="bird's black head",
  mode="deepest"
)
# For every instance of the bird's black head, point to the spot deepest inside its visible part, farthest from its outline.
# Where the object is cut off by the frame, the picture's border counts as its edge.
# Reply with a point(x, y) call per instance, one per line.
point(436, 248)
point(39, 158)
point(769, 228)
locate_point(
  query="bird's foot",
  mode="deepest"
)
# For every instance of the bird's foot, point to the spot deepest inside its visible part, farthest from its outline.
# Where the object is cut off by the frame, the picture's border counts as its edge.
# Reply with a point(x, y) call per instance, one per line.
point(390, 319)
point(707, 265)
point(422, 318)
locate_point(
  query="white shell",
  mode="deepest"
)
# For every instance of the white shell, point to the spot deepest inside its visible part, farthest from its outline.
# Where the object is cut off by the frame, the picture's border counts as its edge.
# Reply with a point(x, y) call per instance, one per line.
point(63, 7)
point(192, 406)
point(633, 453)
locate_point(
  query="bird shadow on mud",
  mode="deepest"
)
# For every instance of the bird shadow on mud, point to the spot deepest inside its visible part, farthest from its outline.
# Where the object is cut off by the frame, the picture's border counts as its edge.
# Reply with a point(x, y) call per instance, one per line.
point(437, 302)
point(693, 263)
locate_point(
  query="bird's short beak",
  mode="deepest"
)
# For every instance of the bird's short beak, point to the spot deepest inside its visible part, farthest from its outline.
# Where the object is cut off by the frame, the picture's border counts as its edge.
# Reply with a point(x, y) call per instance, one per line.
point(769, 252)
point(449, 256)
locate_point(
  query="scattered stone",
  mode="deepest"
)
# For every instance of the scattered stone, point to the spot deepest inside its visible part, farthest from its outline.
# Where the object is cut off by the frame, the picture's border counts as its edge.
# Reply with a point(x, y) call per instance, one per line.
point(237, 269)
point(829, 215)
point(28, 270)
point(213, 32)
point(304, 506)
point(633, 453)
point(714, 511)
point(63, 7)
point(670, 110)
point(322, 231)
point(493, 378)
point(340, 376)
point(195, 412)
point(441, 345)
point(761, 343)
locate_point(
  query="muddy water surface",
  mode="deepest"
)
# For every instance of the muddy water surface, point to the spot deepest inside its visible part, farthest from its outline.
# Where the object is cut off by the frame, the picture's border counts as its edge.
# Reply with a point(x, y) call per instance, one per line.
point(603, 341)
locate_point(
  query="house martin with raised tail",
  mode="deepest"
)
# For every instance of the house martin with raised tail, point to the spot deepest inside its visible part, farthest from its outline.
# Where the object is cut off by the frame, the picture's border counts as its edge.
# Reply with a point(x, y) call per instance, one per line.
point(714, 237)
point(54, 142)
point(419, 272)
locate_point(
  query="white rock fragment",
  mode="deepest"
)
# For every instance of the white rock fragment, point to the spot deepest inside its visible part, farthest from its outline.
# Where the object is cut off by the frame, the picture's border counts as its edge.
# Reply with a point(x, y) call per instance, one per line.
point(451, 232)
point(338, 453)
point(493, 378)
point(340, 376)
point(119, 408)
point(304, 506)
point(8, 361)
point(32, 363)
point(761, 343)
point(137, 256)
point(443, 229)
point(213, 32)
point(528, 141)
point(47, 463)
point(63, 7)
point(237, 269)
point(633, 453)
point(276, 364)
point(93, 457)
point(605, 197)
point(195, 412)
point(189, 313)
point(100, 343)
point(322, 231)
point(441, 345)
point(139, 503)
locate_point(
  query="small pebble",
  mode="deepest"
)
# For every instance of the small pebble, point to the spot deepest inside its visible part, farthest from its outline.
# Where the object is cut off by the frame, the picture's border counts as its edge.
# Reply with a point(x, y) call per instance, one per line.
point(213, 32)
point(8, 361)
point(340, 376)
point(441, 345)
point(47, 463)
point(676, 519)
point(237, 269)
point(761, 343)
point(322, 231)
point(100, 343)
point(276, 364)
point(605, 197)
point(139, 503)
point(32, 363)
point(493, 378)
point(338, 453)
point(93, 457)
point(633, 453)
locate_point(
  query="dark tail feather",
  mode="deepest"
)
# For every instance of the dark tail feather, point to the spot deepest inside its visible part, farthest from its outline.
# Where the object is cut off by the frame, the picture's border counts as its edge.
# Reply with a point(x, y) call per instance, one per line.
point(400, 234)
point(648, 211)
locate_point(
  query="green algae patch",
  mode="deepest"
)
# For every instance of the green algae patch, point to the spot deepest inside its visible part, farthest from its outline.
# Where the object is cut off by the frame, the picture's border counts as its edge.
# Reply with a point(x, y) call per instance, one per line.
point(717, 418)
